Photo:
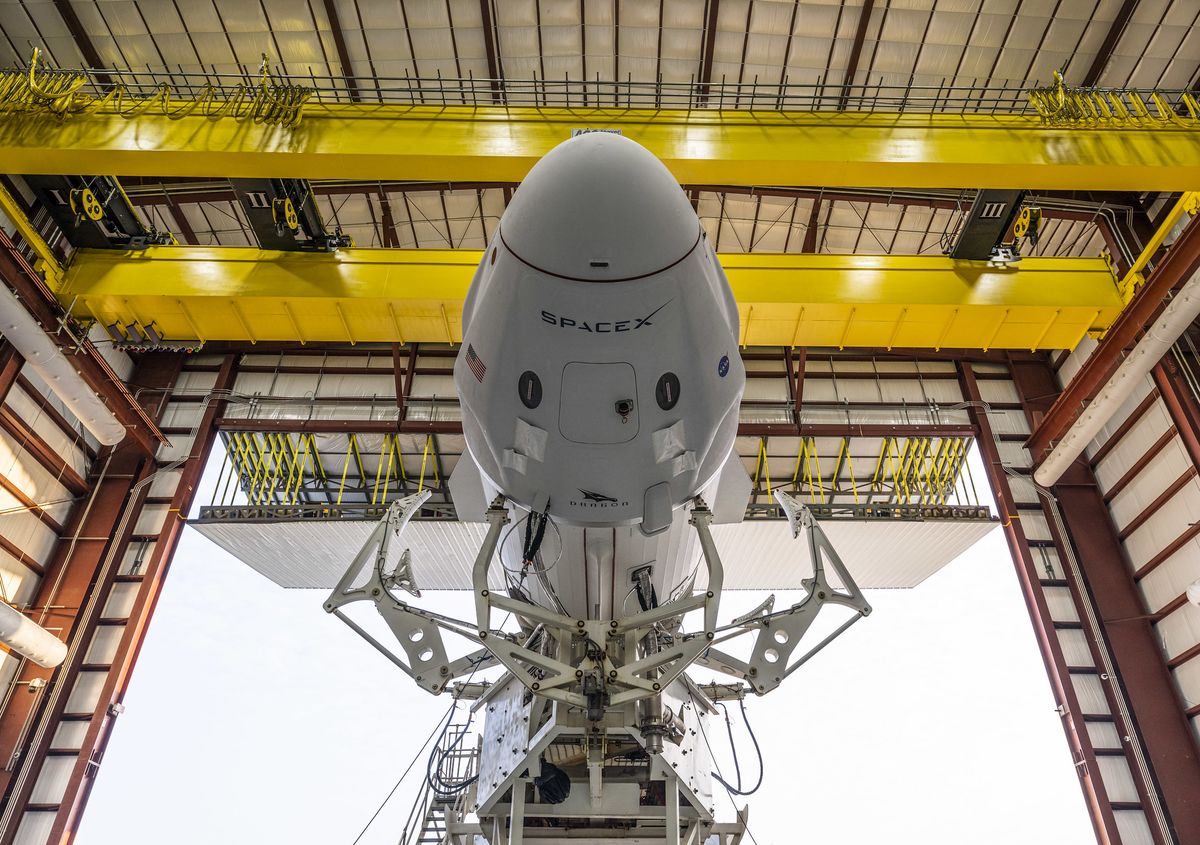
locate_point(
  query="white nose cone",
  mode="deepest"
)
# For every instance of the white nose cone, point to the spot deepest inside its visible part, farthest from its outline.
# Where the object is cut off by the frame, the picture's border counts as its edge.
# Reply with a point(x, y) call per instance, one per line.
point(591, 194)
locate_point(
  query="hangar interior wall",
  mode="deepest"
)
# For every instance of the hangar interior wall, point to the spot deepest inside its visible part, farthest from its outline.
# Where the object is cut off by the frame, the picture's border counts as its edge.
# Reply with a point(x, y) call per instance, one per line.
point(92, 553)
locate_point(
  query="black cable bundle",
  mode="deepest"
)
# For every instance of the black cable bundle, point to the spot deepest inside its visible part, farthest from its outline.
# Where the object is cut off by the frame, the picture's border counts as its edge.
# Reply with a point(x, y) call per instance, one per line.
point(737, 790)
point(533, 537)
point(433, 770)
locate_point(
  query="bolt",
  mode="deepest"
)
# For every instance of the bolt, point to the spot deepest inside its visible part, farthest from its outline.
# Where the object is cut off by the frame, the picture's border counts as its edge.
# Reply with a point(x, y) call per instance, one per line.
point(613, 673)
point(580, 624)
point(613, 624)
point(536, 686)
point(709, 594)
point(708, 635)
point(657, 687)
point(483, 593)
point(821, 595)
point(578, 673)
point(375, 591)
point(483, 635)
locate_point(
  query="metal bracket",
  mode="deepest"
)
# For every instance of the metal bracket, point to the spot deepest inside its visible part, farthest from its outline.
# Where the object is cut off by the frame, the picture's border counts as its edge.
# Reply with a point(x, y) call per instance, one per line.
point(779, 634)
point(419, 632)
point(602, 675)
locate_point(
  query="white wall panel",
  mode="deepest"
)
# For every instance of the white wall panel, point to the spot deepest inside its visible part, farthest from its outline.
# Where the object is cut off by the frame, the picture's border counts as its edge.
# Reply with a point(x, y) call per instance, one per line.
point(27, 408)
point(34, 480)
point(52, 780)
point(136, 556)
point(183, 415)
point(34, 828)
point(1076, 359)
point(1074, 643)
point(120, 601)
point(1163, 470)
point(151, 519)
point(1132, 446)
point(1035, 525)
point(179, 447)
point(103, 647)
point(24, 530)
point(192, 382)
point(1061, 604)
point(1169, 580)
point(17, 581)
point(769, 390)
point(429, 385)
point(164, 483)
point(69, 735)
point(1012, 454)
point(1179, 630)
point(1104, 735)
point(1165, 526)
point(1118, 780)
point(1133, 827)
point(86, 692)
point(1187, 675)
point(993, 390)
point(1090, 693)
point(332, 385)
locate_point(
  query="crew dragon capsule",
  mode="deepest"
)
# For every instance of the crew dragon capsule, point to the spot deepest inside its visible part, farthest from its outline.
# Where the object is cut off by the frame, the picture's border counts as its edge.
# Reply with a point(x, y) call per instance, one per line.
point(599, 374)
point(600, 386)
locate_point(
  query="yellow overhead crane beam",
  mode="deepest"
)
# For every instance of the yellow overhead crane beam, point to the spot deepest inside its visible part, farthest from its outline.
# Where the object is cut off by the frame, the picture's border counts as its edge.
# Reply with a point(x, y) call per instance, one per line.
point(394, 295)
point(701, 146)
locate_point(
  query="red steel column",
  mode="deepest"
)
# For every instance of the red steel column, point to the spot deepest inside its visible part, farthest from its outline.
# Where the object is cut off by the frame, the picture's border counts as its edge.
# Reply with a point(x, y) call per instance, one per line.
point(10, 368)
point(1099, 806)
point(71, 597)
point(100, 727)
point(1182, 406)
point(1158, 713)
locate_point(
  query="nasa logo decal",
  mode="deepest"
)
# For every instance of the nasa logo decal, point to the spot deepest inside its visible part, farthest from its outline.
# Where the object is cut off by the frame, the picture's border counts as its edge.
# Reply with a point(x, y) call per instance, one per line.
point(723, 366)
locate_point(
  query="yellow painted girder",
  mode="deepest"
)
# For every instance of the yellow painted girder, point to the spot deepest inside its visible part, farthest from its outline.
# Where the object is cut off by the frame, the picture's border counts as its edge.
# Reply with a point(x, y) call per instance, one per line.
point(706, 146)
point(389, 295)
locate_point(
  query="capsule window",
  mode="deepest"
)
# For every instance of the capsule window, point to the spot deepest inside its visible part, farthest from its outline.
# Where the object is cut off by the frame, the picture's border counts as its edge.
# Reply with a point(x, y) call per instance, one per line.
point(530, 388)
point(667, 391)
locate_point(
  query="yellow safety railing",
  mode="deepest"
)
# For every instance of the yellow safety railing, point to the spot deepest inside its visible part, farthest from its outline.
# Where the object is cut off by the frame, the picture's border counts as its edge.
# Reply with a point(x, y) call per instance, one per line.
point(60, 93)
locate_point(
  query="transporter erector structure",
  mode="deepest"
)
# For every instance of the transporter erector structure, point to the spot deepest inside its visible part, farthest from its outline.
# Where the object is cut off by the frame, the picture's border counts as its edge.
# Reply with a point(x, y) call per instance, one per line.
point(600, 385)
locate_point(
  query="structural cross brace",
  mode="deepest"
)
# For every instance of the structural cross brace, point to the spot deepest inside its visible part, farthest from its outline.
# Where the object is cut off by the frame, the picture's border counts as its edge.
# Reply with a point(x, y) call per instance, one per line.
point(592, 663)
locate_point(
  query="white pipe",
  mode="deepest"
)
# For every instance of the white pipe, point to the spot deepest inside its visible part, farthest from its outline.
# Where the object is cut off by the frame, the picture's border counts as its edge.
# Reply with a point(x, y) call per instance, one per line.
point(29, 639)
point(43, 354)
point(1172, 323)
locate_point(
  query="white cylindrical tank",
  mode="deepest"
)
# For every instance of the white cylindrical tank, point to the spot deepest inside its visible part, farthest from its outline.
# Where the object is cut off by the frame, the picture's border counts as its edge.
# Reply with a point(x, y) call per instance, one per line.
point(29, 639)
point(43, 354)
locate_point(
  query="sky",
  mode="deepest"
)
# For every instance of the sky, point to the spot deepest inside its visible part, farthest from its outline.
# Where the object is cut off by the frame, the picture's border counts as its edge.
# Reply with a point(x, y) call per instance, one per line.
point(253, 717)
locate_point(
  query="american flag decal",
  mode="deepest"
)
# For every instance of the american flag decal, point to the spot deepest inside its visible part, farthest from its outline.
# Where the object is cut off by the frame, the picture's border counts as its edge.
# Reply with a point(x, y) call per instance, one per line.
point(476, 363)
